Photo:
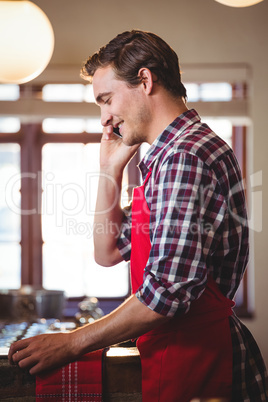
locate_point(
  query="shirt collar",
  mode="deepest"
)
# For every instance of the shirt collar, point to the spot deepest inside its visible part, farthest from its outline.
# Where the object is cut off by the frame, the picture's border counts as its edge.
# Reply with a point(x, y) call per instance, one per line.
point(172, 131)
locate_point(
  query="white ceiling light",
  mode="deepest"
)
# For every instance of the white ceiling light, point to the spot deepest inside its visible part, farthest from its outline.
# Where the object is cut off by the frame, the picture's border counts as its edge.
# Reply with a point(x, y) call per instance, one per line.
point(239, 3)
point(26, 41)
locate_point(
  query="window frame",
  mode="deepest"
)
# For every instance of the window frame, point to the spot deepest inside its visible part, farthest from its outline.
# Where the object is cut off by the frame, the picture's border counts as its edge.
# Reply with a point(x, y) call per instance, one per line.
point(31, 139)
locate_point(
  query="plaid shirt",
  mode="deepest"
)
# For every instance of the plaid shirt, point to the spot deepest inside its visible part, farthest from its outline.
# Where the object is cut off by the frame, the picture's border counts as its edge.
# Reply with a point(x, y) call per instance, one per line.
point(198, 226)
point(198, 217)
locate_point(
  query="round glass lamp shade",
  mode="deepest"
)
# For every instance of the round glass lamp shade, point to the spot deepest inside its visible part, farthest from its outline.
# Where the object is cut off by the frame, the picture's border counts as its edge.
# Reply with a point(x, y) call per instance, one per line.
point(26, 41)
point(239, 3)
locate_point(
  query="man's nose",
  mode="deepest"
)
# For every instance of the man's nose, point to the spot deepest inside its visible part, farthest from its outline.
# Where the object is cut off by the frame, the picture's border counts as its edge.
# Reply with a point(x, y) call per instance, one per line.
point(106, 119)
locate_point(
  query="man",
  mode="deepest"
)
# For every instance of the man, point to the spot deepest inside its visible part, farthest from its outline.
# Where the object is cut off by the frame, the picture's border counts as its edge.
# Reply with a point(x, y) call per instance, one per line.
point(185, 234)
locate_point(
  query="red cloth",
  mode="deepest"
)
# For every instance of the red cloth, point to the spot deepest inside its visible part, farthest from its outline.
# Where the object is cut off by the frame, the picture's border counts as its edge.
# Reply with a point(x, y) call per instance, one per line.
point(80, 381)
point(190, 356)
point(140, 236)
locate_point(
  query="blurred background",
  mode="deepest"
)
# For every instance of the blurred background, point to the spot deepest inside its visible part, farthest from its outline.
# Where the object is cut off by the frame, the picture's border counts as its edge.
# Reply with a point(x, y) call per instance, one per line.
point(50, 133)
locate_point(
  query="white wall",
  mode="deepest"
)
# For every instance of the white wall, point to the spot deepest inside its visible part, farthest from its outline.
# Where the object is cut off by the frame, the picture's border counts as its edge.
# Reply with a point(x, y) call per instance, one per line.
point(201, 31)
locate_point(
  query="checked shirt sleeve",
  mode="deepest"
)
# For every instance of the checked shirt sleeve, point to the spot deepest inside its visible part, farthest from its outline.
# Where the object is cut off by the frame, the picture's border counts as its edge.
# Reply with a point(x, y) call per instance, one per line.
point(187, 211)
point(124, 241)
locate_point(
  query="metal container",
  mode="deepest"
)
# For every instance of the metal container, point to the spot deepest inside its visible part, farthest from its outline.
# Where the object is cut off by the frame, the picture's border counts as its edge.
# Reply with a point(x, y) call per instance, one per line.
point(29, 303)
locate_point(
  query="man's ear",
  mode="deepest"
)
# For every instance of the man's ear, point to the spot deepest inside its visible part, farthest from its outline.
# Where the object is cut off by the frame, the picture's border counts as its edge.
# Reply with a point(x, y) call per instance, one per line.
point(146, 79)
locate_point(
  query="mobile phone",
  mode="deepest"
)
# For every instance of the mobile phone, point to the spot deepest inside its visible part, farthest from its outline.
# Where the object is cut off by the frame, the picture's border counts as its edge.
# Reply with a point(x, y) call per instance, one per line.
point(116, 132)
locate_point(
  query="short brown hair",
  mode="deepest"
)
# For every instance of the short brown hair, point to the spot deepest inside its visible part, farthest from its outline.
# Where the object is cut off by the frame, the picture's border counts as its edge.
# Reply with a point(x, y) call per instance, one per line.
point(132, 50)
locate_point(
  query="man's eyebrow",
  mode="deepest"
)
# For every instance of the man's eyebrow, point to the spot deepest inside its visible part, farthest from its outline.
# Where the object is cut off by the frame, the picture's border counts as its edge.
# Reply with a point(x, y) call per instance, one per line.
point(100, 97)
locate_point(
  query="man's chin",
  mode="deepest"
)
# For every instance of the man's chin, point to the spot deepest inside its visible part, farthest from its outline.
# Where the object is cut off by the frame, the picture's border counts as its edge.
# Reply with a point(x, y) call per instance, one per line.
point(131, 141)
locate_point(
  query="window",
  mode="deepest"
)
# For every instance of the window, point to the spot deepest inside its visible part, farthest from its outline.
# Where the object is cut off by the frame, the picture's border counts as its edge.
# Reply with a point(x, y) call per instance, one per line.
point(68, 203)
point(9, 92)
point(209, 92)
point(10, 225)
point(68, 93)
point(9, 125)
point(49, 176)
point(72, 125)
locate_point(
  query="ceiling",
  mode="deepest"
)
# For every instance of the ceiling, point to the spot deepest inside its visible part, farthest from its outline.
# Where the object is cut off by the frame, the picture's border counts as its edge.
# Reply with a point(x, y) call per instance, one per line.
point(199, 31)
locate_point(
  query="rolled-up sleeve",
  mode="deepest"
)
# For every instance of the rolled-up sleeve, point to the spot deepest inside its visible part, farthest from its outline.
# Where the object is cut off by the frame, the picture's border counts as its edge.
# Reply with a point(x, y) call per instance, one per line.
point(124, 240)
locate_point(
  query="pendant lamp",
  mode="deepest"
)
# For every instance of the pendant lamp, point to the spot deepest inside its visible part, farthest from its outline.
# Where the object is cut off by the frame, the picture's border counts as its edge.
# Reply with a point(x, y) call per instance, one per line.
point(239, 3)
point(26, 41)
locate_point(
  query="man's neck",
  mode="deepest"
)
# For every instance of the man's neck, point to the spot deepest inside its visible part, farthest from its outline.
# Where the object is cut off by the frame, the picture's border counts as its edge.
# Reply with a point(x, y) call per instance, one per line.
point(164, 113)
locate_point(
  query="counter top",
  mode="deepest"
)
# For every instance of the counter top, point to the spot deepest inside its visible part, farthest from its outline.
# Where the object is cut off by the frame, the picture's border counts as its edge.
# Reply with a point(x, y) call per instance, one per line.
point(122, 378)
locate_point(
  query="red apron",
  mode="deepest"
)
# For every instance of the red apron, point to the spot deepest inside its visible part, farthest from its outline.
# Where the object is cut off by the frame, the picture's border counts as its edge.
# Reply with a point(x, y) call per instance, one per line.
point(191, 355)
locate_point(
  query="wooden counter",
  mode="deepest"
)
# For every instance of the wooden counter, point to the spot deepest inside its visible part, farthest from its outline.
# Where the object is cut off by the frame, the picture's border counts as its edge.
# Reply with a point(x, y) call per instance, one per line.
point(122, 378)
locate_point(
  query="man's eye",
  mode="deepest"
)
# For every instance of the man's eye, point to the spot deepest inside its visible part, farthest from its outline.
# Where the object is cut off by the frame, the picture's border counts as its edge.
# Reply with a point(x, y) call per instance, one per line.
point(107, 101)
